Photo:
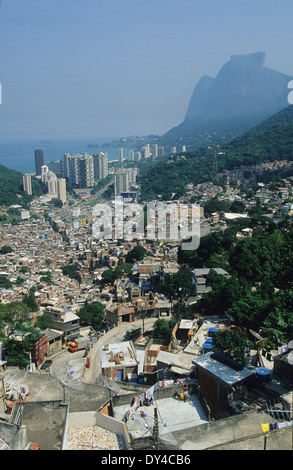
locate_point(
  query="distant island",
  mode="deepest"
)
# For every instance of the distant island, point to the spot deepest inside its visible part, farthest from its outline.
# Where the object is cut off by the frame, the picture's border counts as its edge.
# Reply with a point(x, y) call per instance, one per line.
point(45, 142)
point(130, 142)
point(93, 146)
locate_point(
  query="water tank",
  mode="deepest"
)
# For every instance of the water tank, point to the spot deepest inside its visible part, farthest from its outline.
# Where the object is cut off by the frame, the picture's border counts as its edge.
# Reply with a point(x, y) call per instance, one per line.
point(207, 347)
point(263, 374)
point(212, 331)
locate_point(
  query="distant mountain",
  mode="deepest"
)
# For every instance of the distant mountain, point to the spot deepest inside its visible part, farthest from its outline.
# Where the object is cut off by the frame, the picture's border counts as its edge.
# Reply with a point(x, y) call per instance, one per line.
point(243, 94)
point(271, 140)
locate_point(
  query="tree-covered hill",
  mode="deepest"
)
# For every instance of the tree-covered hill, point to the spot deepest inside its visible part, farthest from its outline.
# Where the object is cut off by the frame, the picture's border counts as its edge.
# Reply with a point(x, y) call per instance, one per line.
point(270, 141)
point(11, 187)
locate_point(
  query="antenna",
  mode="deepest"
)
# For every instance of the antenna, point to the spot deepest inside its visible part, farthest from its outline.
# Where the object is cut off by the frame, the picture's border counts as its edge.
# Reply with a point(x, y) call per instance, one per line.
point(66, 378)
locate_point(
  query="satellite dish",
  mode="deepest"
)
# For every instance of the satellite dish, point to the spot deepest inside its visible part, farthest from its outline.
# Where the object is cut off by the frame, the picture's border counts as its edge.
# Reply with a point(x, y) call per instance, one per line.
point(66, 378)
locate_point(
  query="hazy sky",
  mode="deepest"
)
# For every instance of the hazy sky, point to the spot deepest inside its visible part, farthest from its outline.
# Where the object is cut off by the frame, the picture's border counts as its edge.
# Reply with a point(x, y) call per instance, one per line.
point(122, 67)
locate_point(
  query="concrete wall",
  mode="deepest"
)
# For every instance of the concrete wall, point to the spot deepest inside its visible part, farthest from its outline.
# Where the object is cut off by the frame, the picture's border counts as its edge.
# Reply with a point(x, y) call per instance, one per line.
point(13, 435)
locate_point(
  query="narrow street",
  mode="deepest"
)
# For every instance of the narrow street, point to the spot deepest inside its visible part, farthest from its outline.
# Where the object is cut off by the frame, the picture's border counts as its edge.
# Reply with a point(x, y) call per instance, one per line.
point(93, 374)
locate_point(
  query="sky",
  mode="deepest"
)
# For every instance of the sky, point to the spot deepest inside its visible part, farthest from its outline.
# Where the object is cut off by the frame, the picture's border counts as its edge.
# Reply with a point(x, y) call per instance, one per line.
point(78, 68)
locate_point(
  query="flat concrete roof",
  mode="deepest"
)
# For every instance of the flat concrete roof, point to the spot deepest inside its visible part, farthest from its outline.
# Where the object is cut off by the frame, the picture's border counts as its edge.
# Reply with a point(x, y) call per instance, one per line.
point(182, 362)
point(115, 348)
point(187, 324)
point(45, 423)
point(224, 372)
point(45, 387)
point(173, 415)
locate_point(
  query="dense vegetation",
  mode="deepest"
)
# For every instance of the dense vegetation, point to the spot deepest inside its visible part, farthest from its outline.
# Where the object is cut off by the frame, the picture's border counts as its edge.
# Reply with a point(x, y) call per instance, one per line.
point(92, 314)
point(256, 295)
point(72, 271)
point(259, 290)
point(14, 321)
point(11, 188)
point(271, 140)
point(109, 276)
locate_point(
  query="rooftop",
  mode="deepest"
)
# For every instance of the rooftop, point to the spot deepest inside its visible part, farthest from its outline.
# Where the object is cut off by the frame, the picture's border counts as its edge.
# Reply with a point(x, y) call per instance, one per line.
point(123, 351)
point(183, 415)
point(224, 372)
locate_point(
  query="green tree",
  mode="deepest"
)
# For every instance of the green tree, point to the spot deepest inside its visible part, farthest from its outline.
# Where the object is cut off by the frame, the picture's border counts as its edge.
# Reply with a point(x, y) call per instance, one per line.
point(136, 254)
point(19, 281)
point(5, 283)
point(46, 277)
point(162, 328)
point(30, 334)
point(224, 292)
point(44, 322)
point(72, 271)
point(30, 301)
point(5, 250)
point(17, 354)
point(219, 260)
point(23, 270)
point(246, 262)
point(178, 286)
point(108, 277)
point(11, 315)
point(215, 205)
point(232, 342)
point(237, 207)
point(92, 314)
point(251, 310)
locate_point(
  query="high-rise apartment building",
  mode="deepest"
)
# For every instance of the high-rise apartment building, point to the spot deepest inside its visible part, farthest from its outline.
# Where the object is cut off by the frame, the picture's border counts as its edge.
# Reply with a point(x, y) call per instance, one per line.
point(55, 166)
point(27, 184)
point(155, 150)
point(61, 189)
point(78, 169)
point(161, 151)
point(44, 173)
point(120, 155)
point(131, 155)
point(100, 165)
point(86, 171)
point(145, 151)
point(137, 156)
point(39, 161)
point(121, 182)
point(132, 174)
point(52, 183)
point(69, 167)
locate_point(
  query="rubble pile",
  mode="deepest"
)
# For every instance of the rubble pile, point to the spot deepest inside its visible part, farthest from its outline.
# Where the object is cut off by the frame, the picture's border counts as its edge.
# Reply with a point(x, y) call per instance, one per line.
point(93, 438)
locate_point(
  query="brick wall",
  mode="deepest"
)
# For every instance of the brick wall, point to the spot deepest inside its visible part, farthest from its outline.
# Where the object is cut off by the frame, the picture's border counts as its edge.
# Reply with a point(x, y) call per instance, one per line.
point(212, 389)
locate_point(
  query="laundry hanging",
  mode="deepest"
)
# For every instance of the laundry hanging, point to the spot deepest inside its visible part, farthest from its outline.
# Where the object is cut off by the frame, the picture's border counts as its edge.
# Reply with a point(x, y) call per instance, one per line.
point(265, 427)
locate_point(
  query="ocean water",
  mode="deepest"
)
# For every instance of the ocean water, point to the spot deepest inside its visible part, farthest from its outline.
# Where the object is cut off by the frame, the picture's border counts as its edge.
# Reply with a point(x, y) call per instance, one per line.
point(19, 154)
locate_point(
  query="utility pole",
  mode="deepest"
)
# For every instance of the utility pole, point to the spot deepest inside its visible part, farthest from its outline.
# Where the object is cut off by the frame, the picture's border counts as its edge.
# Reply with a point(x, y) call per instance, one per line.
point(2, 378)
point(156, 429)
